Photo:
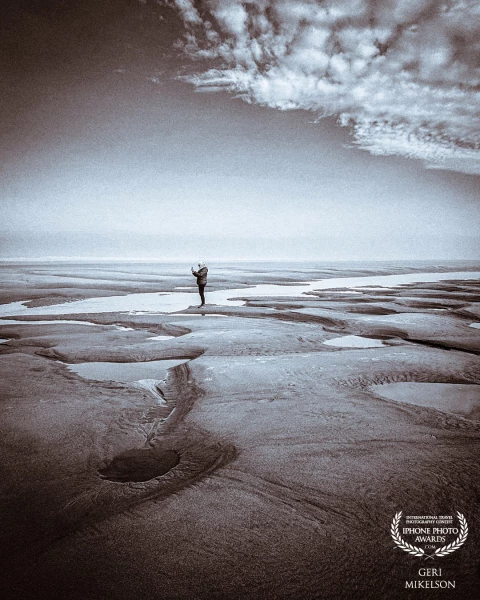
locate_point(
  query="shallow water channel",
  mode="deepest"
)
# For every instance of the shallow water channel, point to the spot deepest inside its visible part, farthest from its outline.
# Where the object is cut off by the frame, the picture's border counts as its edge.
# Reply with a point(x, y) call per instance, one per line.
point(170, 302)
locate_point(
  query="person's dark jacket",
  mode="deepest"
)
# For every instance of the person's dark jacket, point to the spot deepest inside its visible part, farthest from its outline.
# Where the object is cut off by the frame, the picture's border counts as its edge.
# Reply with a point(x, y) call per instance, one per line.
point(201, 276)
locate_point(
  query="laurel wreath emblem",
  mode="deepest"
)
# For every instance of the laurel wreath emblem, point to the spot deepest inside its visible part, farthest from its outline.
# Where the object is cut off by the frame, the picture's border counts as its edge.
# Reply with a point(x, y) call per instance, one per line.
point(401, 543)
point(417, 551)
point(462, 536)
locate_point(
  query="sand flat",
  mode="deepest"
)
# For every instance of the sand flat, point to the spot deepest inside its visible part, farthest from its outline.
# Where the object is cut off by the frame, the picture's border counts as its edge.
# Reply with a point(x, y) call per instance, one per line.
point(263, 465)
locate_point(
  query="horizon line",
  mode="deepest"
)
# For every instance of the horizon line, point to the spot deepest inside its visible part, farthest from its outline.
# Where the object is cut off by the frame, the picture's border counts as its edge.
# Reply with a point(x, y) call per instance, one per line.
point(218, 259)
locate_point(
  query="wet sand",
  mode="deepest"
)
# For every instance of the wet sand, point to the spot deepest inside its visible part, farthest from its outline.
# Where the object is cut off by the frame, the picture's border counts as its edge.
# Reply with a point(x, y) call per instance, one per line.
point(268, 465)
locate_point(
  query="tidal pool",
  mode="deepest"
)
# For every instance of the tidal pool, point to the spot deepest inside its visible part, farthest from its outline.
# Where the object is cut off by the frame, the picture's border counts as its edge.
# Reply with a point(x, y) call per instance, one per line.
point(354, 341)
point(125, 372)
point(50, 322)
point(458, 399)
point(63, 322)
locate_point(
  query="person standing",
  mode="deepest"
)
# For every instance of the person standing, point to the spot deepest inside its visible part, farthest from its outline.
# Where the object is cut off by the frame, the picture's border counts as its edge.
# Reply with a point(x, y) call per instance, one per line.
point(201, 276)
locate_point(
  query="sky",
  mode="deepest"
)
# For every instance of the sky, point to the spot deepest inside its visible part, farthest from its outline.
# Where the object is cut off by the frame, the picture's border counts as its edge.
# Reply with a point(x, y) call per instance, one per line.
point(344, 130)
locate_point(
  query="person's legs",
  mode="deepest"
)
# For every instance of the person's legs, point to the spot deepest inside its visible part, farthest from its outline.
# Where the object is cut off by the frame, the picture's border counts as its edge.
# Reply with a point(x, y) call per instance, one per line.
point(201, 289)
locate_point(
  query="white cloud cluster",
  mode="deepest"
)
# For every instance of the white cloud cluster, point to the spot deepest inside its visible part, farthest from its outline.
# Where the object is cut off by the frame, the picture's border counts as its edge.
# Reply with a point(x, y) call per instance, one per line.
point(403, 74)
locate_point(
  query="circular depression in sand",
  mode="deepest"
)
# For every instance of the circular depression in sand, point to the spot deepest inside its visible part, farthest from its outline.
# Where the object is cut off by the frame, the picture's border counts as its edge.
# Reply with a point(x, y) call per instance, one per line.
point(139, 464)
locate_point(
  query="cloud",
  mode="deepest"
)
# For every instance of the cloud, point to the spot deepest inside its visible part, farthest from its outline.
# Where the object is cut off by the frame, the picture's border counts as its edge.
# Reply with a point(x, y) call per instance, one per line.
point(404, 75)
